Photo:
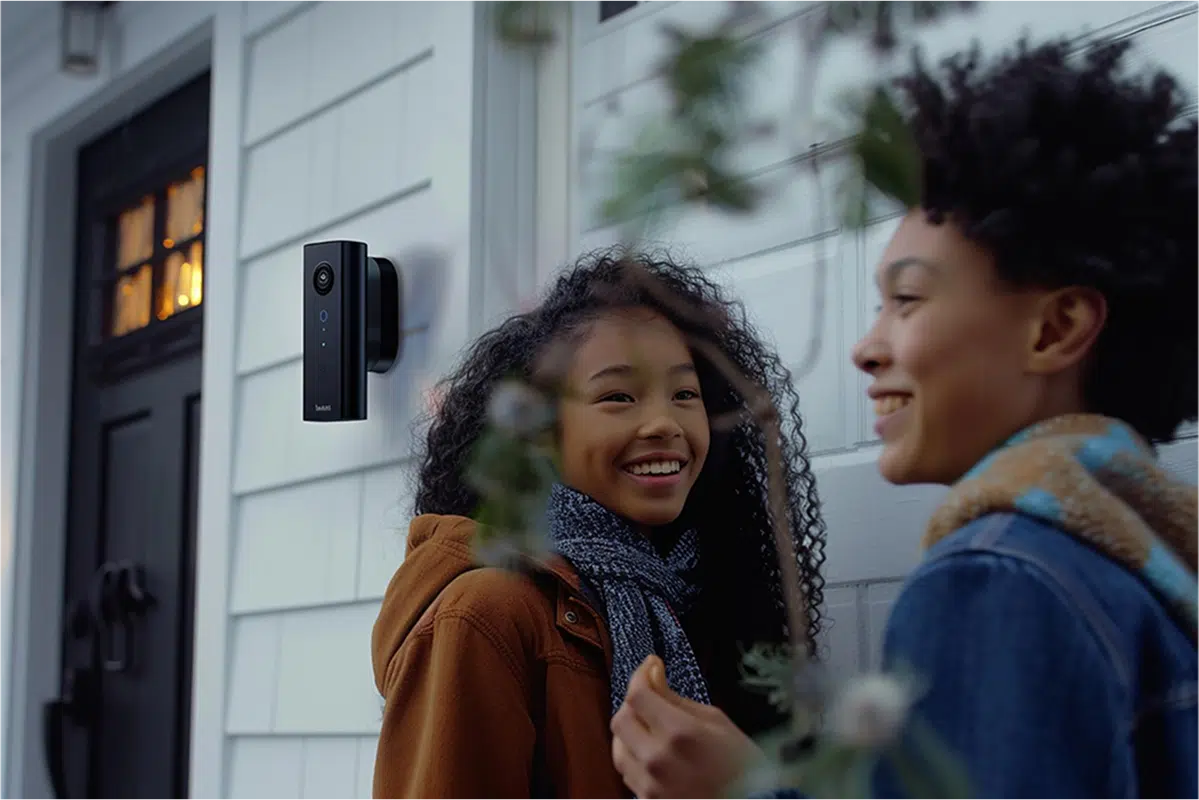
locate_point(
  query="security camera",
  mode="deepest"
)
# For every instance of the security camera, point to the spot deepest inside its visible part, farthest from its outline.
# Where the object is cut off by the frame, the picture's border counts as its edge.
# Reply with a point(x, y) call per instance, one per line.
point(352, 304)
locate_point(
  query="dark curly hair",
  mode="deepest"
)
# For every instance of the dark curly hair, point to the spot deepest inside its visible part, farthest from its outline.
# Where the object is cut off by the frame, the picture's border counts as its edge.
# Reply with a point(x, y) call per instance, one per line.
point(1071, 172)
point(728, 506)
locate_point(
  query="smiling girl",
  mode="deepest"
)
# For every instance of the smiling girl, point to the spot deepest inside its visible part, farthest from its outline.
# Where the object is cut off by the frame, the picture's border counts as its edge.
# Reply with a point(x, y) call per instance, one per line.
point(503, 684)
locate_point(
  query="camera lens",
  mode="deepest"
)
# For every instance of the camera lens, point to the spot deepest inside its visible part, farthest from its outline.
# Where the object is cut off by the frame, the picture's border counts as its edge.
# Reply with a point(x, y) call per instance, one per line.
point(322, 279)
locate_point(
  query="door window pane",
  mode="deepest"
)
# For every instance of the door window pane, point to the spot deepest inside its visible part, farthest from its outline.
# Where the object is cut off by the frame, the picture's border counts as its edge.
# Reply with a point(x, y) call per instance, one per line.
point(131, 301)
point(185, 209)
point(608, 10)
point(135, 240)
point(160, 255)
point(182, 281)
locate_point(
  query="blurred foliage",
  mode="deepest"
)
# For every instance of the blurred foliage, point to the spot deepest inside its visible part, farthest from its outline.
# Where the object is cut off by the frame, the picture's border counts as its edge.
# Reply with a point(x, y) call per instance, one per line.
point(886, 156)
point(685, 156)
point(525, 23)
point(513, 466)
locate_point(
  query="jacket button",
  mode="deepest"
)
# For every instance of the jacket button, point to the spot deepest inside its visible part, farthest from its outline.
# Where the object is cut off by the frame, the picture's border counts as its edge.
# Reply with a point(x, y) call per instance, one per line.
point(572, 617)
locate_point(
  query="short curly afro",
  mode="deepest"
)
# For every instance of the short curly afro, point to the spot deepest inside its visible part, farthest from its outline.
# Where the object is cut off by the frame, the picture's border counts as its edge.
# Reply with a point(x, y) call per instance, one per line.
point(1070, 170)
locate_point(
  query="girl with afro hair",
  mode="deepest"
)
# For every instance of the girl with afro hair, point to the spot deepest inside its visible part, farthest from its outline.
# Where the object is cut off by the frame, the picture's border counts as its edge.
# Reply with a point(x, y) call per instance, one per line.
point(1036, 341)
point(501, 682)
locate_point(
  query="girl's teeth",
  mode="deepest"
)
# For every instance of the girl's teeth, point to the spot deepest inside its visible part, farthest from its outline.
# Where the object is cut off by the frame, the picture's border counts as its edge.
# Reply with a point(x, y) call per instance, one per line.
point(656, 468)
point(889, 404)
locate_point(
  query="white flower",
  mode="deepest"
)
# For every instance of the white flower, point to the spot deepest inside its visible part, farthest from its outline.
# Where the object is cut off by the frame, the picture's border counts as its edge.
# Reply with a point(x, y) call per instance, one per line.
point(519, 409)
point(871, 711)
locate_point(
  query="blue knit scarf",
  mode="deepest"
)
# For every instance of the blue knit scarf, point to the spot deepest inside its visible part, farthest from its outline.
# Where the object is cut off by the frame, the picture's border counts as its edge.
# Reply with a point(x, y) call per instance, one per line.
point(642, 592)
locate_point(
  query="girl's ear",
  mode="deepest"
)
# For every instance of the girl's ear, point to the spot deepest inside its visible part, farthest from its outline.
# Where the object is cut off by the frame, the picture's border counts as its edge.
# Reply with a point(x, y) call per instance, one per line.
point(1068, 322)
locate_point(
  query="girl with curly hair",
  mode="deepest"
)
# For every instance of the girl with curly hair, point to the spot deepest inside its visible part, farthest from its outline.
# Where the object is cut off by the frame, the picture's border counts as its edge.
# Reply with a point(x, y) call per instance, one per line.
point(502, 683)
point(1036, 341)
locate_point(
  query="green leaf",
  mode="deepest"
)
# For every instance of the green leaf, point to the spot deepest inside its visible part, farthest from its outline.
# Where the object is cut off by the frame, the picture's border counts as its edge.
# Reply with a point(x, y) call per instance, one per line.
point(768, 669)
point(887, 152)
point(706, 72)
point(884, 22)
point(730, 193)
point(513, 477)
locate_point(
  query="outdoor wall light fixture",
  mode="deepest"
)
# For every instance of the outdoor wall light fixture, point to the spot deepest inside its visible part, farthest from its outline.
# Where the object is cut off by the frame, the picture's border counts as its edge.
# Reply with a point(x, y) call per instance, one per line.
point(82, 30)
point(352, 307)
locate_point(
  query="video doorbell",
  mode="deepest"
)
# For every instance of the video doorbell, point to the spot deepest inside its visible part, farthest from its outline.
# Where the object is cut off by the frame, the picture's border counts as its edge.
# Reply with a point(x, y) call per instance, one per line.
point(352, 304)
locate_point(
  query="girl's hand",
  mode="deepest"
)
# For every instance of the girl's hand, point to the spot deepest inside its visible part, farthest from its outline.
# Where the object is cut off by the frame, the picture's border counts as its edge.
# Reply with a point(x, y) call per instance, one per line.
point(665, 745)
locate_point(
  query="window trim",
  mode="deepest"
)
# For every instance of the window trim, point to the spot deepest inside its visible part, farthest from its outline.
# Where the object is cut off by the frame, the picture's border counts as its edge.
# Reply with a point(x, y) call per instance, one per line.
point(107, 358)
point(556, 238)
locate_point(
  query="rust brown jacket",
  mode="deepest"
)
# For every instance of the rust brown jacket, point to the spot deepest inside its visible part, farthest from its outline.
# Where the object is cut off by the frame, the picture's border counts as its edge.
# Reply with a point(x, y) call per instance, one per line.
point(495, 683)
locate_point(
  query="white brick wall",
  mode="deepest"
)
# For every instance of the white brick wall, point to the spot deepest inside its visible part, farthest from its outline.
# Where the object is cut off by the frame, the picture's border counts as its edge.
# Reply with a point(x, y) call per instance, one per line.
point(767, 258)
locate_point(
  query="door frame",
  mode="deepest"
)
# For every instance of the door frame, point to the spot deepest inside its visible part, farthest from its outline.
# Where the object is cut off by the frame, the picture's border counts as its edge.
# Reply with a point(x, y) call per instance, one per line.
point(555, 240)
point(33, 580)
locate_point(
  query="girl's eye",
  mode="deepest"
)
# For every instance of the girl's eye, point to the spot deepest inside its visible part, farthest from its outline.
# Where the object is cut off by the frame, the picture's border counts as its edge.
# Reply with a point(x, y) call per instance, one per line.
point(904, 299)
point(686, 394)
point(900, 300)
point(617, 397)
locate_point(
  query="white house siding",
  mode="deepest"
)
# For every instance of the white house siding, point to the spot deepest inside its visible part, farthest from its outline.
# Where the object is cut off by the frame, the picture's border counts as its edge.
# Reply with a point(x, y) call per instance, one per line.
point(358, 124)
point(768, 259)
point(398, 124)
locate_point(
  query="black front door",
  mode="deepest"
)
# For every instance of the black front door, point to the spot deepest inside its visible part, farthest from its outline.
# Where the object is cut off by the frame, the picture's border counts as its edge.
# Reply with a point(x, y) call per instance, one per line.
point(120, 728)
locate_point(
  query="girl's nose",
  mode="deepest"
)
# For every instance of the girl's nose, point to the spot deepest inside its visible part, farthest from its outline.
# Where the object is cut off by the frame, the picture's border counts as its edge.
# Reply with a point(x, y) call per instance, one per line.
point(661, 426)
point(870, 353)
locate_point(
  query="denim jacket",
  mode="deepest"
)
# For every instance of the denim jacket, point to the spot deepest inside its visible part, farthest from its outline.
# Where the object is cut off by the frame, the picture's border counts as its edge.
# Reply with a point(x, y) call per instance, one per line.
point(1049, 669)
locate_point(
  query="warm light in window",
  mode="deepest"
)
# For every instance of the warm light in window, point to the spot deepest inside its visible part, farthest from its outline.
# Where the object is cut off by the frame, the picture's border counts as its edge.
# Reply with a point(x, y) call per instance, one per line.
point(197, 277)
point(135, 240)
point(179, 274)
point(184, 277)
point(131, 302)
point(185, 208)
point(182, 281)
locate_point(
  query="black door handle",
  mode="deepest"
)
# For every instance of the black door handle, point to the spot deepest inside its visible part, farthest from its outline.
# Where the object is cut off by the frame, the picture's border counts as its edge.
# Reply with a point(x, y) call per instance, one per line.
point(119, 594)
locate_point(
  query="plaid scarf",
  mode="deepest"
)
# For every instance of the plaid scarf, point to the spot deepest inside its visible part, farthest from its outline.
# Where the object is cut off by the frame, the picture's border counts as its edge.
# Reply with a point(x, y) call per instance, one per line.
point(642, 592)
point(1096, 479)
